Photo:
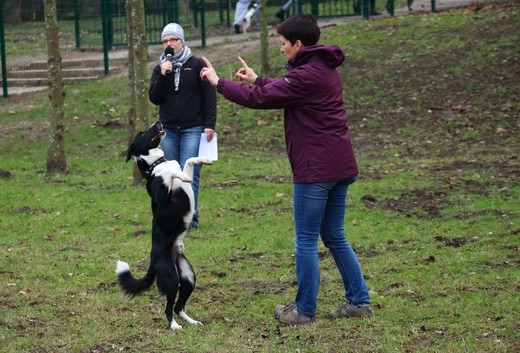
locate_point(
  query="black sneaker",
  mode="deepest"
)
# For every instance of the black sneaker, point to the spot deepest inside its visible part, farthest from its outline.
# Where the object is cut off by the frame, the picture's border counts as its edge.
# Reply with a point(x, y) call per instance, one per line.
point(280, 15)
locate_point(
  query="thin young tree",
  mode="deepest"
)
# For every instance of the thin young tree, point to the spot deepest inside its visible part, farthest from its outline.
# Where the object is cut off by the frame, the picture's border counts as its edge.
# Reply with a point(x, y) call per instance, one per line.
point(131, 72)
point(138, 71)
point(264, 38)
point(56, 160)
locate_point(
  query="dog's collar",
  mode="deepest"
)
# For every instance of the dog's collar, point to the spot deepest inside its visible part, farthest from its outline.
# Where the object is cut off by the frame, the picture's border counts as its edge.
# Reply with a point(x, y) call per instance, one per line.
point(148, 173)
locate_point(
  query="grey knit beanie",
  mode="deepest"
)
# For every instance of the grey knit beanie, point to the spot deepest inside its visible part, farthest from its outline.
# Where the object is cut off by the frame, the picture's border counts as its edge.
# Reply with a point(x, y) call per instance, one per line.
point(173, 29)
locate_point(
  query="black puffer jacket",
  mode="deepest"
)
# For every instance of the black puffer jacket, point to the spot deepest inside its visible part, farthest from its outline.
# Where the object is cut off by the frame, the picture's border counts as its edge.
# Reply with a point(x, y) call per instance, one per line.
point(194, 104)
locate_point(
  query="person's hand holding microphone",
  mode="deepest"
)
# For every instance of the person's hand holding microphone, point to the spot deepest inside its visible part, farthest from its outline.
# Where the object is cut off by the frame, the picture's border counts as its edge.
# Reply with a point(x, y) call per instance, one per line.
point(167, 66)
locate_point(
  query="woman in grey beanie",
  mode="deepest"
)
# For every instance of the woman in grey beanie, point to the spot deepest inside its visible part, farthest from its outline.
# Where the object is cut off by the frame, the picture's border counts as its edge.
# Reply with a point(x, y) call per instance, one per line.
point(187, 106)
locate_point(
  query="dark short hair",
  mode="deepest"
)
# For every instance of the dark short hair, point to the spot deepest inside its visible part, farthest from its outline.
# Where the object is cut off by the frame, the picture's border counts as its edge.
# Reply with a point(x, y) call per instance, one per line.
point(301, 27)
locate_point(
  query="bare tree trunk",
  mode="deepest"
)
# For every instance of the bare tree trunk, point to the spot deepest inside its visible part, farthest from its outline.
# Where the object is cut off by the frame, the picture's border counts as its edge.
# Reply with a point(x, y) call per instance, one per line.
point(264, 38)
point(131, 72)
point(56, 161)
point(138, 73)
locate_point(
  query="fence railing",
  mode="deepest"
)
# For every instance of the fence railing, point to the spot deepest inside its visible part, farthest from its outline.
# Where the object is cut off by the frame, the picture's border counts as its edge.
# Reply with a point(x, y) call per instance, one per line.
point(93, 32)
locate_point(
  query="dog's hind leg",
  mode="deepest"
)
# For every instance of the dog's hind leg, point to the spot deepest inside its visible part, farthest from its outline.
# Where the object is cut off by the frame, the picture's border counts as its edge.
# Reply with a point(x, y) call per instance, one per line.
point(246, 24)
point(182, 314)
point(187, 284)
point(169, 314)
point(168, 284)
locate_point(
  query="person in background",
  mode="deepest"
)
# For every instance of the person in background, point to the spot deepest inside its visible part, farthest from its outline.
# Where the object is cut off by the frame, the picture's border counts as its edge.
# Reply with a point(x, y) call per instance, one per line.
point(321, 157)
point(188, 106)
point(240, 13)
point(283, 11)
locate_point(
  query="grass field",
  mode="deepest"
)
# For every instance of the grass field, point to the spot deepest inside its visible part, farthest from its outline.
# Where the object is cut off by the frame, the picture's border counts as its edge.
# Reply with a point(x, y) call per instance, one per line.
point(432, 102)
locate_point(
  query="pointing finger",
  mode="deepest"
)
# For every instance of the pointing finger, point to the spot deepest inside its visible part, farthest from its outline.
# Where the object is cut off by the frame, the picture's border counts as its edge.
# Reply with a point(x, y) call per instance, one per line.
point(244, 64)
point(206, 61)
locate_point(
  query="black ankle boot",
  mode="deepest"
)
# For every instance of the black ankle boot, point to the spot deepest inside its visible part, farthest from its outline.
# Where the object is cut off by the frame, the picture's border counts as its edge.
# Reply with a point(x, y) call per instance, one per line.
point(280, 14)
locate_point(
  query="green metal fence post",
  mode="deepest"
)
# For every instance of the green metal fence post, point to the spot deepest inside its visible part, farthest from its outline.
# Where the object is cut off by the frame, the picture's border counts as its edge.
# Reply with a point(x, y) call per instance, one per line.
point(203, 23)
point(390, 7)
point(176, 10)
point(433, 6)
point(76, 23)
point(106, 35)
point(110, 23)
point(315, 11)
point(2, 50)
point(221, 11)
point(228, 13)
point(170, 16)
point(194, 7)
point(365, 9)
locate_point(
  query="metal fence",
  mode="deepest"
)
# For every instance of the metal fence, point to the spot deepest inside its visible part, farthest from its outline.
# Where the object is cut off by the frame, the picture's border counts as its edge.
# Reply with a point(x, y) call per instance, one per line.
point(93, 32)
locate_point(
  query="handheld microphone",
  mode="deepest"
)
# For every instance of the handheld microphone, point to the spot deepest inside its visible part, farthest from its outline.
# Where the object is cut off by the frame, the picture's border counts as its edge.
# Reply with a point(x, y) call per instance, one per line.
point(169, 56)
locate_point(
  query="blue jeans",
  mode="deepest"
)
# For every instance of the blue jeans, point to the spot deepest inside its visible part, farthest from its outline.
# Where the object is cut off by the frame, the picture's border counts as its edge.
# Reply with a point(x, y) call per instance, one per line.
point(319, 209)
point(180, 145)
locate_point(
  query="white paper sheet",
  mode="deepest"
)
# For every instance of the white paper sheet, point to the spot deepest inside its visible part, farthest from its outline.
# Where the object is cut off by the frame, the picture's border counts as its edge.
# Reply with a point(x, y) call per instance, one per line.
point(208, 149)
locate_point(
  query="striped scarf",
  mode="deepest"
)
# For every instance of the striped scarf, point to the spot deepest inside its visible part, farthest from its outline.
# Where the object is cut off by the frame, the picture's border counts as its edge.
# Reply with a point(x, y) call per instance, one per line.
point(179, 59)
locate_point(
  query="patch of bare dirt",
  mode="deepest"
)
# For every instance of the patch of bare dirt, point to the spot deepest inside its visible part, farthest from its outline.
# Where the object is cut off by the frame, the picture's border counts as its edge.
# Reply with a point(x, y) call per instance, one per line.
point(5, 174)
point(455, 242)
point(30, 210)
point(25, 129)
point(419, 203)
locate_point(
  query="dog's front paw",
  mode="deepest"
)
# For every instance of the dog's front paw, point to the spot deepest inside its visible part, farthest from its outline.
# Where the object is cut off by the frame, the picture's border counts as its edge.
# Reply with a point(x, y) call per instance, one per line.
point(205, 160)
point(183, 176)
point(199, 160)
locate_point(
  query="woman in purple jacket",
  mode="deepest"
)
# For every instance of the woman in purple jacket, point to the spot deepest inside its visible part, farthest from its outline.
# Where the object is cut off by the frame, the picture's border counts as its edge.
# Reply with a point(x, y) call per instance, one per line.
point(321, 157)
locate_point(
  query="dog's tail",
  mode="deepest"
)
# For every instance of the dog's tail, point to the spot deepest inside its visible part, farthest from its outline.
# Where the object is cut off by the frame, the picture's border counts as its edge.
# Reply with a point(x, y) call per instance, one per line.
point(130, 285)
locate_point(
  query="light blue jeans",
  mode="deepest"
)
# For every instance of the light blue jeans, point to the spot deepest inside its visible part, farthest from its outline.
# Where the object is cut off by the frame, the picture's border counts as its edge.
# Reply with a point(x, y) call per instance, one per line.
point(180, 145)
point(319, 209)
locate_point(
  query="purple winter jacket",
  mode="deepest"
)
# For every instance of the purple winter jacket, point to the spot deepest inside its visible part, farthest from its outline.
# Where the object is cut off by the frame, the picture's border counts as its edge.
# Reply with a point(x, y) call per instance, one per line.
point(316, 131)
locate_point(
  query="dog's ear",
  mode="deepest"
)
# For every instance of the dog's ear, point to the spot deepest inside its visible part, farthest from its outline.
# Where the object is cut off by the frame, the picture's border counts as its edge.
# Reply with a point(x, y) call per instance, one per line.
point(130, 152)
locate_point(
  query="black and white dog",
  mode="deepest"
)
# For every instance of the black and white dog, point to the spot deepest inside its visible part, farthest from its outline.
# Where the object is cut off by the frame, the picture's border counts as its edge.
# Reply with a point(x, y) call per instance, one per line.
point(251, 12)
point(172, 210)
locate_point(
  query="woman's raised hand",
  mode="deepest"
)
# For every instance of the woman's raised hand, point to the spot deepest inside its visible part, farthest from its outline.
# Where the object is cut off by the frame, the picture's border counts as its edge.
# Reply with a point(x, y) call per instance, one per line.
point(245, 73)
point(208, 73)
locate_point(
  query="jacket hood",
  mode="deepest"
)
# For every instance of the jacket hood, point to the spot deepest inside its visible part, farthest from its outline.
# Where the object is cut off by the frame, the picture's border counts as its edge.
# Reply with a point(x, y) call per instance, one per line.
point(332, 55)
